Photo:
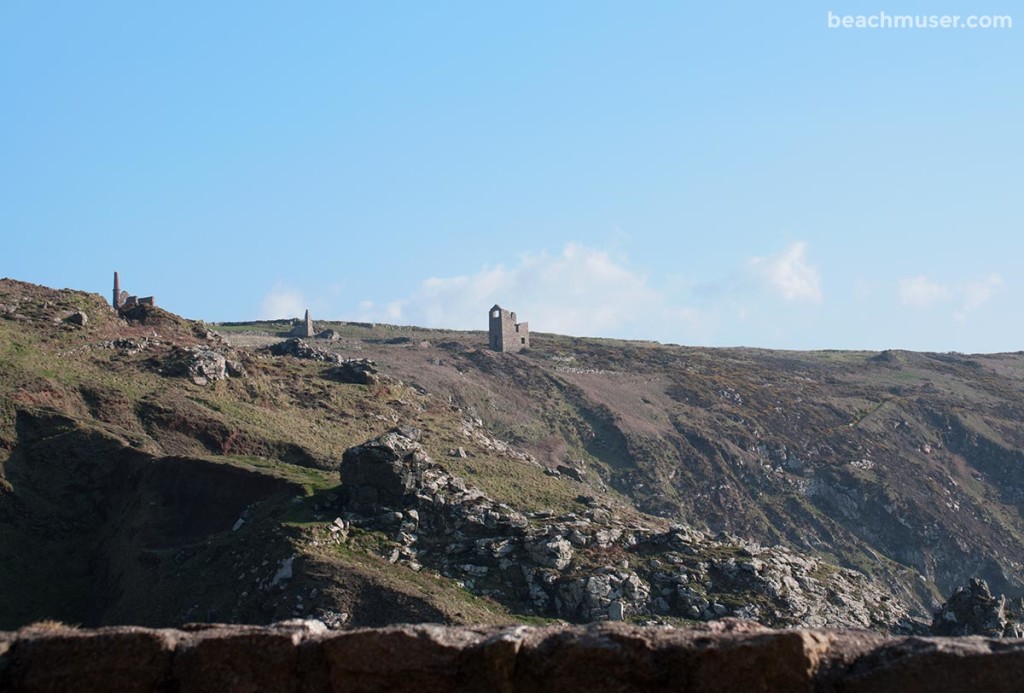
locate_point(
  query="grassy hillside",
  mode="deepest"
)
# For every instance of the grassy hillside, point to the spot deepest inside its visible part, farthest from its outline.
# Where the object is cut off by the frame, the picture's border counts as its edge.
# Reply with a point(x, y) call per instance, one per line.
point(163, 500)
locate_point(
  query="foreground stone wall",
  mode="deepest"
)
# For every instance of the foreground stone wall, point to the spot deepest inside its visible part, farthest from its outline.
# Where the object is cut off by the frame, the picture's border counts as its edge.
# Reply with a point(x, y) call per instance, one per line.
point(304, 656)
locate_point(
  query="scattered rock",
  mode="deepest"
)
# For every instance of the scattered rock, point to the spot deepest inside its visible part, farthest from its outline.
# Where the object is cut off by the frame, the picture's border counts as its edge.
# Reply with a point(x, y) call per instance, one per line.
point(284, 572)
point(129, 345)
point(77, 318)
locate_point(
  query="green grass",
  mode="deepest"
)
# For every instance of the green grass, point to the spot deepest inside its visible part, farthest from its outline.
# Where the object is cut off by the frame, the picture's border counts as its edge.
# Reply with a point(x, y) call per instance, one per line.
point(311, 480)
point(833, 356)
point(823, 571)
point(517, 483)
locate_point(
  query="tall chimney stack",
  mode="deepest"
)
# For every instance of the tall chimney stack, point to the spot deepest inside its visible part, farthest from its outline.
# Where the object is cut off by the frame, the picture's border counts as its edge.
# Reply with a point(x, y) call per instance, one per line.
point(116, 302)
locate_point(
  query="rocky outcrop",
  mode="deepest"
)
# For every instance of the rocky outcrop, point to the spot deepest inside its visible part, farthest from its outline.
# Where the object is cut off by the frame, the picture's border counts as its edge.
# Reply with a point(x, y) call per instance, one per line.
point(304, 656)
point(355, 371)
point(974, 610)
point(200, 365)
point(301, 349)
point(591, 566)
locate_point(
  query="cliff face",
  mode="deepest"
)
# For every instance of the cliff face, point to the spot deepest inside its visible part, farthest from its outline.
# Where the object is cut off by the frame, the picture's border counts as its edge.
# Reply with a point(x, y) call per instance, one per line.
point(303, 656)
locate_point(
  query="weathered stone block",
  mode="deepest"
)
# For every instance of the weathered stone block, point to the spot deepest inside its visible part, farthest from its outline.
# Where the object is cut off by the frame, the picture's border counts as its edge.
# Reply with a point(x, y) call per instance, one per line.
point(255, 659)
point(125, 659)
point(960, 665)
point(413, 658)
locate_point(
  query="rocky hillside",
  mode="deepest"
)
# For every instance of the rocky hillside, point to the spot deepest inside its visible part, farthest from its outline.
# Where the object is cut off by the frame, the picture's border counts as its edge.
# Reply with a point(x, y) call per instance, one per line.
point(590, 566)
point(179, 472)
point(905, 466)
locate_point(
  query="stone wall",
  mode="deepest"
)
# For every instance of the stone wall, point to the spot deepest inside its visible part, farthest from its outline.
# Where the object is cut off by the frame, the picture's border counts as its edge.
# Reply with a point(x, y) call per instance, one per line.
point(303, 655)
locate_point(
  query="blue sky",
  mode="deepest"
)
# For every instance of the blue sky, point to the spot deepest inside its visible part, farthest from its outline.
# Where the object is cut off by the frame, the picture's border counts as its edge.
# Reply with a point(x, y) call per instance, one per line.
point(724, 175)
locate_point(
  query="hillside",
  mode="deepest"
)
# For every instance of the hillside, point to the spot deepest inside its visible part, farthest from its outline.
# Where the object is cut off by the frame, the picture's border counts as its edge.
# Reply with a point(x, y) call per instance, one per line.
point(904, 465)
point(157, 471)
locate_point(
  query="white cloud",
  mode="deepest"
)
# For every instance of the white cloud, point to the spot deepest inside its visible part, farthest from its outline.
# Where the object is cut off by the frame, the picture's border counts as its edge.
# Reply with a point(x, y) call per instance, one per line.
point(581, 291)
point(790, 274)
point(978, 293)
point(282, 302)
point(921, 292)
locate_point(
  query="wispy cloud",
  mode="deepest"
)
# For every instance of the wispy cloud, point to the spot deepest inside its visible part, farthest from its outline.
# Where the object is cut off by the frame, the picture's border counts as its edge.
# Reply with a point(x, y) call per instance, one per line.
point(580, 291)
point(977, 293)
point(922, 292)
point(790, 274)
point(282, 302)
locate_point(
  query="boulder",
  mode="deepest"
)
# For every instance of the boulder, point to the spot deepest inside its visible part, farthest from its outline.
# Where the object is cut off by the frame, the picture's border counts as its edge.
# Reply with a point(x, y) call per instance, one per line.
point(356, 372)
point(382, 471)
point(78, 318)
point(551, 552)
point(571, 472)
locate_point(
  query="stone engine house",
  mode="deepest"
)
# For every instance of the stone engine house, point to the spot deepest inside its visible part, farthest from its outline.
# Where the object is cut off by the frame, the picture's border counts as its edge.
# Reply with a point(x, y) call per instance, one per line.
point(505, 333)
point(122, 300)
